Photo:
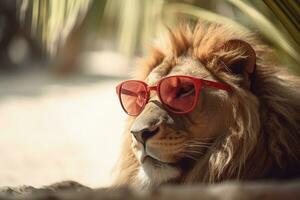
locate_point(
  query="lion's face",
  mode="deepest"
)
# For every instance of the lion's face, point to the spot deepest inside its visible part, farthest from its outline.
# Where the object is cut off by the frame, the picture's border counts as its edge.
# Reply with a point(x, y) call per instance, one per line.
point(164, 142)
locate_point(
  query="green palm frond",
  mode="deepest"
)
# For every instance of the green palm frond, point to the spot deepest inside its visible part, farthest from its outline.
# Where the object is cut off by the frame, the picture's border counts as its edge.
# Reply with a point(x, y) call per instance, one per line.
point(196, 13)
point(288, 12)
point(130, 24)
point(53, 20)
point(286, 48)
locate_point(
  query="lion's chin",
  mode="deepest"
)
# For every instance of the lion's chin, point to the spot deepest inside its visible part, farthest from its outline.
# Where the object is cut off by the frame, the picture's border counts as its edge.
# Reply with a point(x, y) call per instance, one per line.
point(153, 172)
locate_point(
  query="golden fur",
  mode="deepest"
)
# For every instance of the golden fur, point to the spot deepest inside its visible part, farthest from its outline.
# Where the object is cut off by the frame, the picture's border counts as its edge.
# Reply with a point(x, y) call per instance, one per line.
point(262, 138)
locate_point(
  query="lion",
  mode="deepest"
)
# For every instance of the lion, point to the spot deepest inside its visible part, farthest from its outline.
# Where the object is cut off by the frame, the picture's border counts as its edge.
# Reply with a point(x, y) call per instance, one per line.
point(251, 132)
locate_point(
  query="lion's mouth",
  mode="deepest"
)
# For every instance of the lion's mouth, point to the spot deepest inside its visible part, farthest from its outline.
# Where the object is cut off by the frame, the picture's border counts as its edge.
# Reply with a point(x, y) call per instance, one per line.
point(150, 158)
point(155, 162)
point(183, 164)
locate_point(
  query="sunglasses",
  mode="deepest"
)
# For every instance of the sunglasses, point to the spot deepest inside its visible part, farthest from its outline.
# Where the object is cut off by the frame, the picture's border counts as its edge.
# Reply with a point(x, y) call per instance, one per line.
point(178, 94)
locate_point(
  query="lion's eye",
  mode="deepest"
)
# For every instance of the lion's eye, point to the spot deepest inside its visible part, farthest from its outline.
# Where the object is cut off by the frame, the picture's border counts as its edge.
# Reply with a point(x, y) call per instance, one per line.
point(185, 90)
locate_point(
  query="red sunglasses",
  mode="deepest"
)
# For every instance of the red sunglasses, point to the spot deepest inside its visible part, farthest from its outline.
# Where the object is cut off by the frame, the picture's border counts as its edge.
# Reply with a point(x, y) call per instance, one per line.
point(178, 94)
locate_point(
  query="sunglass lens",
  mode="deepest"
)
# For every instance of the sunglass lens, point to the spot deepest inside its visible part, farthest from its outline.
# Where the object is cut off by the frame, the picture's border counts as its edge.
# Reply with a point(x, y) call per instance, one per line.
point(178, 93)
point(133, 95)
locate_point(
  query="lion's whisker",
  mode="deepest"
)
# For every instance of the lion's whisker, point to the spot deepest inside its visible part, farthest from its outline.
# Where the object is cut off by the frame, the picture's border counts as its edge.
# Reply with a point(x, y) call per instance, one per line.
point(200, 143)
point(189, 156)
point(194, 152)
point(196, 145)
point(198, 140)
point(206, 138)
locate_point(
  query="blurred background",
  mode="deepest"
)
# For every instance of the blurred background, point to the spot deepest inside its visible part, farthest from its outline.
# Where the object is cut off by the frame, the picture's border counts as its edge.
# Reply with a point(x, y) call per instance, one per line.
point(60, 61)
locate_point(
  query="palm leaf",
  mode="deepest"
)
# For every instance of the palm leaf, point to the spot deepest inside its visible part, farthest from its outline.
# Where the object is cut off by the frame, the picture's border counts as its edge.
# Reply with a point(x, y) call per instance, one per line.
point(53, 20)
point(196, 13)
point(289, 15)
point(268, 30)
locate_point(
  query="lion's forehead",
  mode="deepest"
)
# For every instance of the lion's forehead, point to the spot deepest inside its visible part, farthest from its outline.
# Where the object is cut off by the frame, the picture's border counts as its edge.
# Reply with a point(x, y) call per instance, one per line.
point(180, 66)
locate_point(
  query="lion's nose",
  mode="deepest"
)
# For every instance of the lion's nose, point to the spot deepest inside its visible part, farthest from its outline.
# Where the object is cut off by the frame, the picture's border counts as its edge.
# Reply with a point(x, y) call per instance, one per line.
point(150, 122)
point(144, 134)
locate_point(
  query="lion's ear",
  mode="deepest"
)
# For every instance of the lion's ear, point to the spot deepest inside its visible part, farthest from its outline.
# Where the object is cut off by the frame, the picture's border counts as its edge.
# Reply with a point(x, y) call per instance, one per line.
point(240, 58)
